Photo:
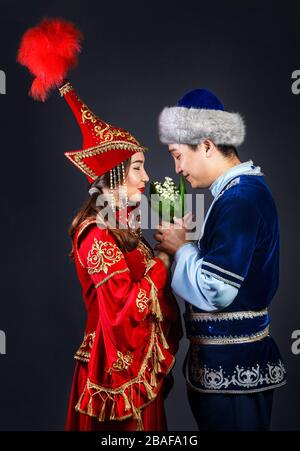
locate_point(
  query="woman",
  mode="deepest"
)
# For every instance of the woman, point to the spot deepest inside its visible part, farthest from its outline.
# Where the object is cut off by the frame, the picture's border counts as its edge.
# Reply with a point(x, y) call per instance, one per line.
point(132, 328)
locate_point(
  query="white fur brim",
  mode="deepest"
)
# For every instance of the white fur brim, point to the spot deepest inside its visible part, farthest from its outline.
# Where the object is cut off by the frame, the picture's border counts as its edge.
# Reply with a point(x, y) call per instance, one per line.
point(180, 125)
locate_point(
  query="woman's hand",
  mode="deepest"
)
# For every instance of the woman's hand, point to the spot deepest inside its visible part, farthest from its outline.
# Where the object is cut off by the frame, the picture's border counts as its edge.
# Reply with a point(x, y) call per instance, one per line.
point(165, 258)
point(171, 237)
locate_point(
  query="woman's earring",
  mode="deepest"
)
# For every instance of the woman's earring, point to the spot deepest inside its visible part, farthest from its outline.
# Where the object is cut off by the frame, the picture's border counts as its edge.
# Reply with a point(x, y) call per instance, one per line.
point(111, 188)
point(140, 224)
point(124, 185)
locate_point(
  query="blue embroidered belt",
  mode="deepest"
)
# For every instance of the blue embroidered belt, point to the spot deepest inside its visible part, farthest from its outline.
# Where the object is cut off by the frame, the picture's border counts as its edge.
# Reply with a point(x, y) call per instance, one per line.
point(227, 327)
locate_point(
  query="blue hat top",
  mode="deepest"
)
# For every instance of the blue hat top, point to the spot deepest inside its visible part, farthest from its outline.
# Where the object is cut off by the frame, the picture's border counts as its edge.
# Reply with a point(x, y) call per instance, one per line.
point(200, 99)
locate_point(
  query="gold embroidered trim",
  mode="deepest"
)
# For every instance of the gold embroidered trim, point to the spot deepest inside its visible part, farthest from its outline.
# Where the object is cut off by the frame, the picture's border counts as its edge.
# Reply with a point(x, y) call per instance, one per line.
point(105, 147)
point(82, 354)
point(231, 339)
point(122, 363)
point(102, 255)
point(135, 411)
point(242, 379)
point(110, 276)
point(145, 251)
point(221, 316)
point(76, 156)
point(126, 389)
point(78, 256)
point(83, 227)
point(65, 88)
point(141, 374)
point(83, 167)
point(149, 265)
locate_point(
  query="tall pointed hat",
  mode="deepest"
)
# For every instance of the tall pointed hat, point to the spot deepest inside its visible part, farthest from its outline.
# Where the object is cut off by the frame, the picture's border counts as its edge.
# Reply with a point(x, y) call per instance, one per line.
point(49, 50)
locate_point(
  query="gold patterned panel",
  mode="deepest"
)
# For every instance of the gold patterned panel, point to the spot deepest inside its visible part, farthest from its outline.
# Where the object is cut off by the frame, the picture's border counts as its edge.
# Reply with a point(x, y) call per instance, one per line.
point(100, 130)
point(142, 300)
point(102, 255)
point(105, 131)
point(108, 134)
point(122, 363)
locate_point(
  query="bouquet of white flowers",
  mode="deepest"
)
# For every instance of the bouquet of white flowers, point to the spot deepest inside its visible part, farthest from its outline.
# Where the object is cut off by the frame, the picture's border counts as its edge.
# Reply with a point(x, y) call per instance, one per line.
point(167, 199)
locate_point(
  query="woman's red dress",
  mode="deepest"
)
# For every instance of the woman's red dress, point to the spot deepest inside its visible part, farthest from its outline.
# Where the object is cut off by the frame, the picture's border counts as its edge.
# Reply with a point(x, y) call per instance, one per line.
point(132, 333)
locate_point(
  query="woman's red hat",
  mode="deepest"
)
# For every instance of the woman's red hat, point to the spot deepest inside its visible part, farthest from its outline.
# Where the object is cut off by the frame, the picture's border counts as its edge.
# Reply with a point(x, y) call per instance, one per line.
point(49, 50)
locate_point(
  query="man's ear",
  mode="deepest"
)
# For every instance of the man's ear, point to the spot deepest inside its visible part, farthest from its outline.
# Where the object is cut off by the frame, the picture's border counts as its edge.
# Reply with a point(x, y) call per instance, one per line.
point(209, 147)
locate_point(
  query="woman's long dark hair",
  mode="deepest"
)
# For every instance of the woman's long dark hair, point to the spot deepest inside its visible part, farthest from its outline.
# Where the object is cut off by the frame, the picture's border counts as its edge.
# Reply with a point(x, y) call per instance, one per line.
point(126, 240)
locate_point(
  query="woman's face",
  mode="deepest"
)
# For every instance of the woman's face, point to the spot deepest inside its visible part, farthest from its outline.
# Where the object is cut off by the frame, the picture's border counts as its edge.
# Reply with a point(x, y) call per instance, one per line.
point(136, 177)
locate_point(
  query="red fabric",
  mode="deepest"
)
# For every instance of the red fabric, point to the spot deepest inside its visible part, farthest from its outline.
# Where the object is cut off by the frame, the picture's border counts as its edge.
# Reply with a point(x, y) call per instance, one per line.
point(104, 145)
point(49, 50)
point(153, 415)
point(132, 333)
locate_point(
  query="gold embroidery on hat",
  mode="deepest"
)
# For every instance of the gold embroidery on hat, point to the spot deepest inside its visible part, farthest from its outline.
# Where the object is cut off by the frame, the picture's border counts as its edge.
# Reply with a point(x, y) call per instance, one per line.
point(76, 156)
point(108, 134)
point(104, 131)
point(102, 255)
point(86, 114)
point(65, 88)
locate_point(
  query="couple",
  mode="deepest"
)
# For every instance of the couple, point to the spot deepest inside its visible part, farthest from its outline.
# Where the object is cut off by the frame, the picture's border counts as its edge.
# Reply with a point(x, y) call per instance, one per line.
point(227, 278)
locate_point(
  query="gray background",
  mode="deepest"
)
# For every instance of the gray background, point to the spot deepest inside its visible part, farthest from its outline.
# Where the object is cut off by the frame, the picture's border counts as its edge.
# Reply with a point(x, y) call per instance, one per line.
point(137, 58)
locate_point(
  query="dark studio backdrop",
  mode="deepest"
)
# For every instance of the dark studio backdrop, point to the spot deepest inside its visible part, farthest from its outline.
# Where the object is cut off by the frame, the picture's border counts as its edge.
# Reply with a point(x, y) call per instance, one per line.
point(137, 58)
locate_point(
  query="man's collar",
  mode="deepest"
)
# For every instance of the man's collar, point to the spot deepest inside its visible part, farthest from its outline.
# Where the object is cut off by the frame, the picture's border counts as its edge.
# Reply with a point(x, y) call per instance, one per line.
point(243, 168)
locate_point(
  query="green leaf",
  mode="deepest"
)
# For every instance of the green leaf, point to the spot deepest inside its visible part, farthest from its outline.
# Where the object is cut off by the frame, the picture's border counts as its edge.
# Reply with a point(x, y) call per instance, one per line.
point(152, 189)
point(182, 192)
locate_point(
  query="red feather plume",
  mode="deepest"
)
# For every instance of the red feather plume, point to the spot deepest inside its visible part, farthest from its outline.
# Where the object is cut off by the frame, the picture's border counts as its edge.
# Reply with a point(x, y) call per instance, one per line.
point(49, 50)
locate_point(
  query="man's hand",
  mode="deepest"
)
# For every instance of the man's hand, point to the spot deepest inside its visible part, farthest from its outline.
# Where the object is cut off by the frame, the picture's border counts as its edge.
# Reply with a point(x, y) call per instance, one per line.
point(171, 237)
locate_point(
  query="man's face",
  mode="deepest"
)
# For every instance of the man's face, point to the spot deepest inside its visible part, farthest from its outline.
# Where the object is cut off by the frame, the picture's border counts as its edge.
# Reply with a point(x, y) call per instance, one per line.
point(192, 164)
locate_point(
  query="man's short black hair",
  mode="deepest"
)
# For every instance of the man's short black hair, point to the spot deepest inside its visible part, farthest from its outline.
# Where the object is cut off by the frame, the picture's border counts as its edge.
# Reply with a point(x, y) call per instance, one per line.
point(227, 151)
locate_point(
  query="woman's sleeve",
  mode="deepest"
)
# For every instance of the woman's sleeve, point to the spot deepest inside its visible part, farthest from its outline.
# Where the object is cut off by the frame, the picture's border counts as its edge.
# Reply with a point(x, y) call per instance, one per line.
point(118, 295)
point(130, 357)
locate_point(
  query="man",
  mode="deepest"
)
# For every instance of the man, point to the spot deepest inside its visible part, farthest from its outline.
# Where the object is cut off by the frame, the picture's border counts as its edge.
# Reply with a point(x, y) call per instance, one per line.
point(230, 275)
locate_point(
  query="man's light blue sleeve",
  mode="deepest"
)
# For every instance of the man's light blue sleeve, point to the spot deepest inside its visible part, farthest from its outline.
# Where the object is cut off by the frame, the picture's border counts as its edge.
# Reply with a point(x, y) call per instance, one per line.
point(202, 290)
